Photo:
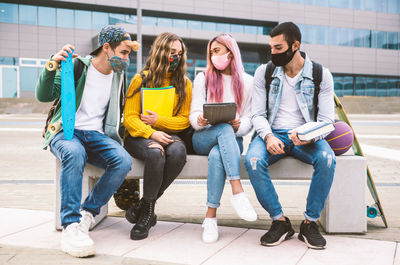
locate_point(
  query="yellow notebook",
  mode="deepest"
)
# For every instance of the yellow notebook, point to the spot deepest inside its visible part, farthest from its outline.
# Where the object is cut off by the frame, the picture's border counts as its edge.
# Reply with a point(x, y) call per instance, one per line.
point(159, 100)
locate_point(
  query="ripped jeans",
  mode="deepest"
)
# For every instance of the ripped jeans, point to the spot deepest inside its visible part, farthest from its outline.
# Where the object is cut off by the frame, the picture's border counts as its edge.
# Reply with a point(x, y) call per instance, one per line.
point(161, 165)
point(318, 154)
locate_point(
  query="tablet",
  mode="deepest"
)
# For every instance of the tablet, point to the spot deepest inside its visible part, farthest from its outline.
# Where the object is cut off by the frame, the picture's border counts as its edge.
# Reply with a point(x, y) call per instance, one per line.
point(219, 112)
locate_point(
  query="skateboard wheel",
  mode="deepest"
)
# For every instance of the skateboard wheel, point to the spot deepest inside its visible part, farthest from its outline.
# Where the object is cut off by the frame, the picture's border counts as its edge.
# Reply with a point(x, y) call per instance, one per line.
point(51, 65)
point(55, 127)
point(372, 211)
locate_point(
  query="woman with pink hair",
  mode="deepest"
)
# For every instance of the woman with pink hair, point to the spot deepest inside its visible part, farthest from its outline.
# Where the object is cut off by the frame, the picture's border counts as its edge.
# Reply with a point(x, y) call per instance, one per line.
point(223, 81)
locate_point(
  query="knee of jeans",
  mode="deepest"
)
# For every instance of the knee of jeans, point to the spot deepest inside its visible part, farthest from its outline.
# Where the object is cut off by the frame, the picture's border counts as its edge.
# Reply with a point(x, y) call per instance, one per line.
point(126, 161)
point(155, 151)
point(253, 162)
point(225, 128)
point(214, 155)
point(74, 153)
point(177, 150)
point(325, 158)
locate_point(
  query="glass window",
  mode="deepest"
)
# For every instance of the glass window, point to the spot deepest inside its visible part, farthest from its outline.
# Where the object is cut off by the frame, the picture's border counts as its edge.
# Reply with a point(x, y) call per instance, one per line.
point(194, 24)
point(361, 38)
point(116, 18)
point(237, 28)
point(381, 39)
point(83, 19)
point(179, 23)
point(393, 87)
point(358, 4)
point(334, 36)
point(381, 6)
point(321, 35)
point(130, 19)
point(28, 61)
point(394, 6)
point(370, 5)
point(340, 3)
point(8, 13)
point(99, 20)
point(47, 16)
point(223, 27)
point(29, 77)
point(393, 40)
point(382, 87)
point(8, 60)
point(211, 26)
point(149, 21)
point(361, 85)
point(28, 15)
point(371, 87)
point(65, 18)
point(348, 85)
point(346, 37)
point(308, 34)
point(164, 22)
point(250, 29)
point(338, 85)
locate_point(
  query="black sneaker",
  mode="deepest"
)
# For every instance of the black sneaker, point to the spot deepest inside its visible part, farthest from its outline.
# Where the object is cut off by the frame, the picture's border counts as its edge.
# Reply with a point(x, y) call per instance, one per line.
point(279, 231)
point(309, 234)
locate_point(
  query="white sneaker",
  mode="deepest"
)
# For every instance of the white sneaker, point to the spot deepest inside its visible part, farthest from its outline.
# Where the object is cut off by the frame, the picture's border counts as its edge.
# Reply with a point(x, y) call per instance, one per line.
point(243, 207)
point(210, 232)
point(87, 221)
point(76, 243)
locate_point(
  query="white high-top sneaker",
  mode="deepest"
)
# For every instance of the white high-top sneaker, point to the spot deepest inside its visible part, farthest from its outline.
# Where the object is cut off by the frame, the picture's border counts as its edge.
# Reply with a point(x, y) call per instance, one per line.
point(87, 221)
point(243, 207)
point(210, 232)
point(76, 242)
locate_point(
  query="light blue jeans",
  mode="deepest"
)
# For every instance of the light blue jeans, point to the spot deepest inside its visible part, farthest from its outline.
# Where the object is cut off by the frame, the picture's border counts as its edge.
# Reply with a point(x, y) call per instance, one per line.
point(224, 150)
point(318, 154)
point(100, 151)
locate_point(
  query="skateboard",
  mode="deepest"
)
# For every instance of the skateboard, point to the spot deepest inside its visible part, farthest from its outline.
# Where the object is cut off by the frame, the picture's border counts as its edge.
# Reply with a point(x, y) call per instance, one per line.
point(68, 104)
point(375, 209)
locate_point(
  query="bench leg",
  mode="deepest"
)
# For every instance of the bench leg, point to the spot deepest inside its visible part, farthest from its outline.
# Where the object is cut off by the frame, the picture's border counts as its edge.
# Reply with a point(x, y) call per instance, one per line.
point(87, 185)
point(345, 208)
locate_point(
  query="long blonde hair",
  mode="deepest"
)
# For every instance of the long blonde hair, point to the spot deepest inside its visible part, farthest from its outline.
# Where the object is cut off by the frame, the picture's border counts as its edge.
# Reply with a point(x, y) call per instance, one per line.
point(157, 65)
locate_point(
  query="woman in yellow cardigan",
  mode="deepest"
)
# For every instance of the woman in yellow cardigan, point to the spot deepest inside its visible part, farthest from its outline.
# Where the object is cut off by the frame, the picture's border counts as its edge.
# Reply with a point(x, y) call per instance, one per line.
point(153, 138)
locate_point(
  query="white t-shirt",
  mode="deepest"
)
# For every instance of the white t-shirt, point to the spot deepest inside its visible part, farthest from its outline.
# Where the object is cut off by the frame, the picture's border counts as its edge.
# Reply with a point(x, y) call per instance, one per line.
point(289, 115)
point(95, 98)
point(199, 94)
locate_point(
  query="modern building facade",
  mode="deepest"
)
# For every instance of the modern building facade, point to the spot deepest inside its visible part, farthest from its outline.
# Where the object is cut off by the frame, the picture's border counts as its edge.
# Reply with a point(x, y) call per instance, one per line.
point(358, 40)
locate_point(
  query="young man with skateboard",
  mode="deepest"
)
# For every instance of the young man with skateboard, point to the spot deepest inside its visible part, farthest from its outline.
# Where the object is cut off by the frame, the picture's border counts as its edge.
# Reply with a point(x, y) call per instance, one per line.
point(287, 94)
point(95, 139)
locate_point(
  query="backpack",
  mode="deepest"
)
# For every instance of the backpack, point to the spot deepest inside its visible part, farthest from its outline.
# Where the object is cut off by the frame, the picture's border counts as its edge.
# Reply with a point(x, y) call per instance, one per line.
point(317, 79)
point(78, 69)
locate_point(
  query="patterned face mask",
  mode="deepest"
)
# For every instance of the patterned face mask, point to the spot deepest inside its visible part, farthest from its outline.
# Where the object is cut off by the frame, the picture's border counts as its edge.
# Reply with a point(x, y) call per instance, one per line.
point(118, 64)
point(173, 62)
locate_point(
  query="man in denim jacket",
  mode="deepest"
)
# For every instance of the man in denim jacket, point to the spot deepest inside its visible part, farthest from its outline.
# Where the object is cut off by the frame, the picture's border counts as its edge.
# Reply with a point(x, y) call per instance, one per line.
point(290, 104)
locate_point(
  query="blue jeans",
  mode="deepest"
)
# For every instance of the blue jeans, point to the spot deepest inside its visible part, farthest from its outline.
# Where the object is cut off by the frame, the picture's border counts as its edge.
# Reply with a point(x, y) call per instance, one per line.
point(318, 154)
point(100, 151)
point(224, 150)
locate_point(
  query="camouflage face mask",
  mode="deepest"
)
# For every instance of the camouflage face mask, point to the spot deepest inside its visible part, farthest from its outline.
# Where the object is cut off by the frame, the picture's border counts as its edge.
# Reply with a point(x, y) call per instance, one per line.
point(173, 62)
point(118, 64)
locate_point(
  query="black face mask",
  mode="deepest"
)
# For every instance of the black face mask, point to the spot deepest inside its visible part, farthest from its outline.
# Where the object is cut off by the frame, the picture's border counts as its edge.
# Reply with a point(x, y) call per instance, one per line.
point(283, 58)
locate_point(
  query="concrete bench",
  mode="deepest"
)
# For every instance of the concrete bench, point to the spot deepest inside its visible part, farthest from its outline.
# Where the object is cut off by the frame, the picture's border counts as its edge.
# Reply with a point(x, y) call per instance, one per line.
point(345, 208)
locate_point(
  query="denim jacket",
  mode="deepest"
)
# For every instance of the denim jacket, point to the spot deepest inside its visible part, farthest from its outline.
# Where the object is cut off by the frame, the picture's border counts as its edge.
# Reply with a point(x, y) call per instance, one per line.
point(304, 96)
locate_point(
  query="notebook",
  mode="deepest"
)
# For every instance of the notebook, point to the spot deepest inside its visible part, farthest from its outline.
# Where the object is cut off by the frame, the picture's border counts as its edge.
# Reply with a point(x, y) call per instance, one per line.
point(159, 100)
point(219, 112)
point(311, 130)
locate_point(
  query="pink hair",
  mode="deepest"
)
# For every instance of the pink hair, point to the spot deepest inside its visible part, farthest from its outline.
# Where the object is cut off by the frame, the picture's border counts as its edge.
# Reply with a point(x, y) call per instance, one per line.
point(213, 76)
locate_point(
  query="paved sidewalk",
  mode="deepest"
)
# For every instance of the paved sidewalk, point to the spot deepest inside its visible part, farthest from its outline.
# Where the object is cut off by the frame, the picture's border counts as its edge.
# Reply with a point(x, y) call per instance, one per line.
point(29, 237)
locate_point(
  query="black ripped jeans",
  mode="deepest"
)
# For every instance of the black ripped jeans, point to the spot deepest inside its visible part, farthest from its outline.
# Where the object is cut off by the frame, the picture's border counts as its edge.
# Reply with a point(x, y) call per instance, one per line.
point(160, 167)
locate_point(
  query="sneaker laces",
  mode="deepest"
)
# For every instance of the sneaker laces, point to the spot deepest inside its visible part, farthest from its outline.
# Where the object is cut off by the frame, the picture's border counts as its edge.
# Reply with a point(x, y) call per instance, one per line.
point(277, 228)
point(148, 210)
point(208, 225)
point(86, 221)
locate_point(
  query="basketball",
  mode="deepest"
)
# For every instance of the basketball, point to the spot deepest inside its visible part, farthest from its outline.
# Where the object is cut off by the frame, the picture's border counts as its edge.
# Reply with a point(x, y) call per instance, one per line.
point(341, 139)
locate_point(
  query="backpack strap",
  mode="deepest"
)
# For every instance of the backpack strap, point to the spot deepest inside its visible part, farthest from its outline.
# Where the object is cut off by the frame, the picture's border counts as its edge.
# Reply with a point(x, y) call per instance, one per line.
point(268, 79)
point(317, 79)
